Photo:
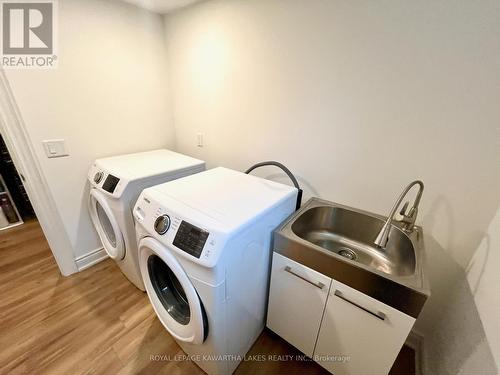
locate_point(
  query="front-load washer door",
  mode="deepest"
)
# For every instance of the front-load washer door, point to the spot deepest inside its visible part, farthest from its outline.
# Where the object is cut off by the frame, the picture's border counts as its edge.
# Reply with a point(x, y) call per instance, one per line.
point(106, 225)
point(171, 293)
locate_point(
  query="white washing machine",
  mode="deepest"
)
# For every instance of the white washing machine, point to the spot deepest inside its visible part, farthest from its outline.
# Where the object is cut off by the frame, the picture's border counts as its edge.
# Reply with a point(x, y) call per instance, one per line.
point(115, 185)
point(204, 253)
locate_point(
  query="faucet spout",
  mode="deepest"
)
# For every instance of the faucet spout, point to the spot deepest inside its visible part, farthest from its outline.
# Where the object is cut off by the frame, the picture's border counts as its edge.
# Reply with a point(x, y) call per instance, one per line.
point(408, 218)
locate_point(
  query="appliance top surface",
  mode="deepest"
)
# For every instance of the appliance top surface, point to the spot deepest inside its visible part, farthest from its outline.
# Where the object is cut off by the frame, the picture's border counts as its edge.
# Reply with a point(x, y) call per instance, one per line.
point(147, 164)
point(231, 197)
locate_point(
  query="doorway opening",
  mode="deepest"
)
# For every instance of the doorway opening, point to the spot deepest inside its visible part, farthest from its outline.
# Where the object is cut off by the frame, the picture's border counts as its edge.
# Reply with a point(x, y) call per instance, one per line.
point(15, 206)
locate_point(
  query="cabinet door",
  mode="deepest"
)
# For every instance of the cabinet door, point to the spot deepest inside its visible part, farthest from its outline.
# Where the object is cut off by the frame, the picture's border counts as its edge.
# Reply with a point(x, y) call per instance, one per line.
point(297, 300)
point(358, 334)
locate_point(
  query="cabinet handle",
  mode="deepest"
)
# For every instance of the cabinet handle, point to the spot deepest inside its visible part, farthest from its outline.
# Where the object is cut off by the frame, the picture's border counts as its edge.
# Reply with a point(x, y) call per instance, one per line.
point(317, 285)
point(378, 314)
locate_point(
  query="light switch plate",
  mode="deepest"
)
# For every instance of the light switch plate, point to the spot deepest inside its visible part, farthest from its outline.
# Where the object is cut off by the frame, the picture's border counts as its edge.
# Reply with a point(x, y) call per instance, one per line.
point(55, 148)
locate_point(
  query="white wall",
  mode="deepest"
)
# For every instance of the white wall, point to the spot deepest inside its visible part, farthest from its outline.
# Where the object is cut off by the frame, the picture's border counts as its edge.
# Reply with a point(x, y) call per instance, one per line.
point(455, 341)
point(484, 279)
point(357, 98)
point(109, 95)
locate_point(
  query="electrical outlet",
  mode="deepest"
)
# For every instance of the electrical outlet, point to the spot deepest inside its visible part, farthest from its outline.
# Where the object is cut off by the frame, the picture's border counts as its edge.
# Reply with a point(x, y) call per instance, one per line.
point(199, 139)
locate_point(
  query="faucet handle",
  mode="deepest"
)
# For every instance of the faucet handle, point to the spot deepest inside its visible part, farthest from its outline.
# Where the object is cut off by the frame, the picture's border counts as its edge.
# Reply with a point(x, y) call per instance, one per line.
point(403, 210)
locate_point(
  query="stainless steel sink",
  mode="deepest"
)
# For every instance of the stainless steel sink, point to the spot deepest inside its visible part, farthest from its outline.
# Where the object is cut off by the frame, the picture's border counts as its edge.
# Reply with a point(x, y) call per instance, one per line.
point(350, 234)
point(338, 241)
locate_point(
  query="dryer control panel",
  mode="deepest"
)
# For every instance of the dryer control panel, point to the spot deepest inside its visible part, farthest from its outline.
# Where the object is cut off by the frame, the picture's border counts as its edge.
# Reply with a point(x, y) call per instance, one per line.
point(110, 183)
point(106, 182)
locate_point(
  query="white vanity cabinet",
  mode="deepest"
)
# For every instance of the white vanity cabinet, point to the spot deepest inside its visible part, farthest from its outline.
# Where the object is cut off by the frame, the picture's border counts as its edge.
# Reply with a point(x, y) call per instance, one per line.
point(367, 332)
point(297, 299)
point(344, 330)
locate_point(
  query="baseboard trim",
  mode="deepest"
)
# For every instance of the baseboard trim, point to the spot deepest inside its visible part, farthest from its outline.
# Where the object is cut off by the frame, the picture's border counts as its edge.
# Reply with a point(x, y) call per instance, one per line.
point(416, 341)
point(92, 257)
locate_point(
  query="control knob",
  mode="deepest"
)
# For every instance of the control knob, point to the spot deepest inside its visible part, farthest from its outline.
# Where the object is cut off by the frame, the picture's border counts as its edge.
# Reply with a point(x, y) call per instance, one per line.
point(98, 177)
point(162, 223)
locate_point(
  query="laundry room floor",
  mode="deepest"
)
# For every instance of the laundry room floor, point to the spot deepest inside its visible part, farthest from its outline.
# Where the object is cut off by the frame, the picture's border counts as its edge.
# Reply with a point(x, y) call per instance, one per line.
point(96, 322)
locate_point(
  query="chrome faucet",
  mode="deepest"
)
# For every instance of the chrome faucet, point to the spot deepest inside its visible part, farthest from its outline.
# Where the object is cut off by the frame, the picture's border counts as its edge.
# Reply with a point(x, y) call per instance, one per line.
point(408, 219)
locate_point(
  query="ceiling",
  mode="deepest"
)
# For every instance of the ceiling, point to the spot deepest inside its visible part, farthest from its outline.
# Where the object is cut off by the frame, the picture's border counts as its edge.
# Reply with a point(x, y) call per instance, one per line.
point(161, 6)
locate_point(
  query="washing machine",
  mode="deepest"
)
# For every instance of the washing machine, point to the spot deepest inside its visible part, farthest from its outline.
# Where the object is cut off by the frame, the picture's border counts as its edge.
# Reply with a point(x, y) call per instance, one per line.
point(204, 253)
point(115, 185)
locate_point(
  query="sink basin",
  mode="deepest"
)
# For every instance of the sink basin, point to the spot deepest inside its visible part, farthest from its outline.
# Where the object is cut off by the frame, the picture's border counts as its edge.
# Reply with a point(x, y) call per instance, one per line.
point(337, 241)
point(350, 234)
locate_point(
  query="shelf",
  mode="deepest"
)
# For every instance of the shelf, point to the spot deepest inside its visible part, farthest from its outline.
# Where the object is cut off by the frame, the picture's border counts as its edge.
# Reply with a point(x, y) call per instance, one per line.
point(15, 214)
point(12, 225)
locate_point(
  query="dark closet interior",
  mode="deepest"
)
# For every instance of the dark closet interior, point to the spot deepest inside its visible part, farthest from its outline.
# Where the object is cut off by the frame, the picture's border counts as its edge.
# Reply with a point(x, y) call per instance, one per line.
point(14, 202)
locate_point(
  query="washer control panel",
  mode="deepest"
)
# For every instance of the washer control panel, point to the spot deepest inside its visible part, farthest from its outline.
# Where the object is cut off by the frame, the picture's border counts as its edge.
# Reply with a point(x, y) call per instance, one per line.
point(194, 236)
point(190, 239)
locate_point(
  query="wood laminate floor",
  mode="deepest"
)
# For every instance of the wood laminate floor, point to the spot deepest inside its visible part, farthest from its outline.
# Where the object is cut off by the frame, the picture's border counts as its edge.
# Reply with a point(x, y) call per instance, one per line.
point(96, 322)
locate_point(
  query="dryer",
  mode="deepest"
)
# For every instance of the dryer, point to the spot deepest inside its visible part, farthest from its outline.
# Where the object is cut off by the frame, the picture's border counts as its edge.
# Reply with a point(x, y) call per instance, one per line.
point(115, 185)
point(204, 253)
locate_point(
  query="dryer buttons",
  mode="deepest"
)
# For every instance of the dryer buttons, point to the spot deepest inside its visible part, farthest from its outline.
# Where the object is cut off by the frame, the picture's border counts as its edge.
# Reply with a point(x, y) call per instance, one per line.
point(162, 223)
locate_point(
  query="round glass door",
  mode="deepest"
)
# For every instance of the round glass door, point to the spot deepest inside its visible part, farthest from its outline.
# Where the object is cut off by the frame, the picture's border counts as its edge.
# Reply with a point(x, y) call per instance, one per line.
point(172, 293)
point(106, 225)
point(169, 290)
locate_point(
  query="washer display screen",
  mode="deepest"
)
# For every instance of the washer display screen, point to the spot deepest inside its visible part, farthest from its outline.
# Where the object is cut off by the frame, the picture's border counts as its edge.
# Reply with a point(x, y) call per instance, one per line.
point(190, 239)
